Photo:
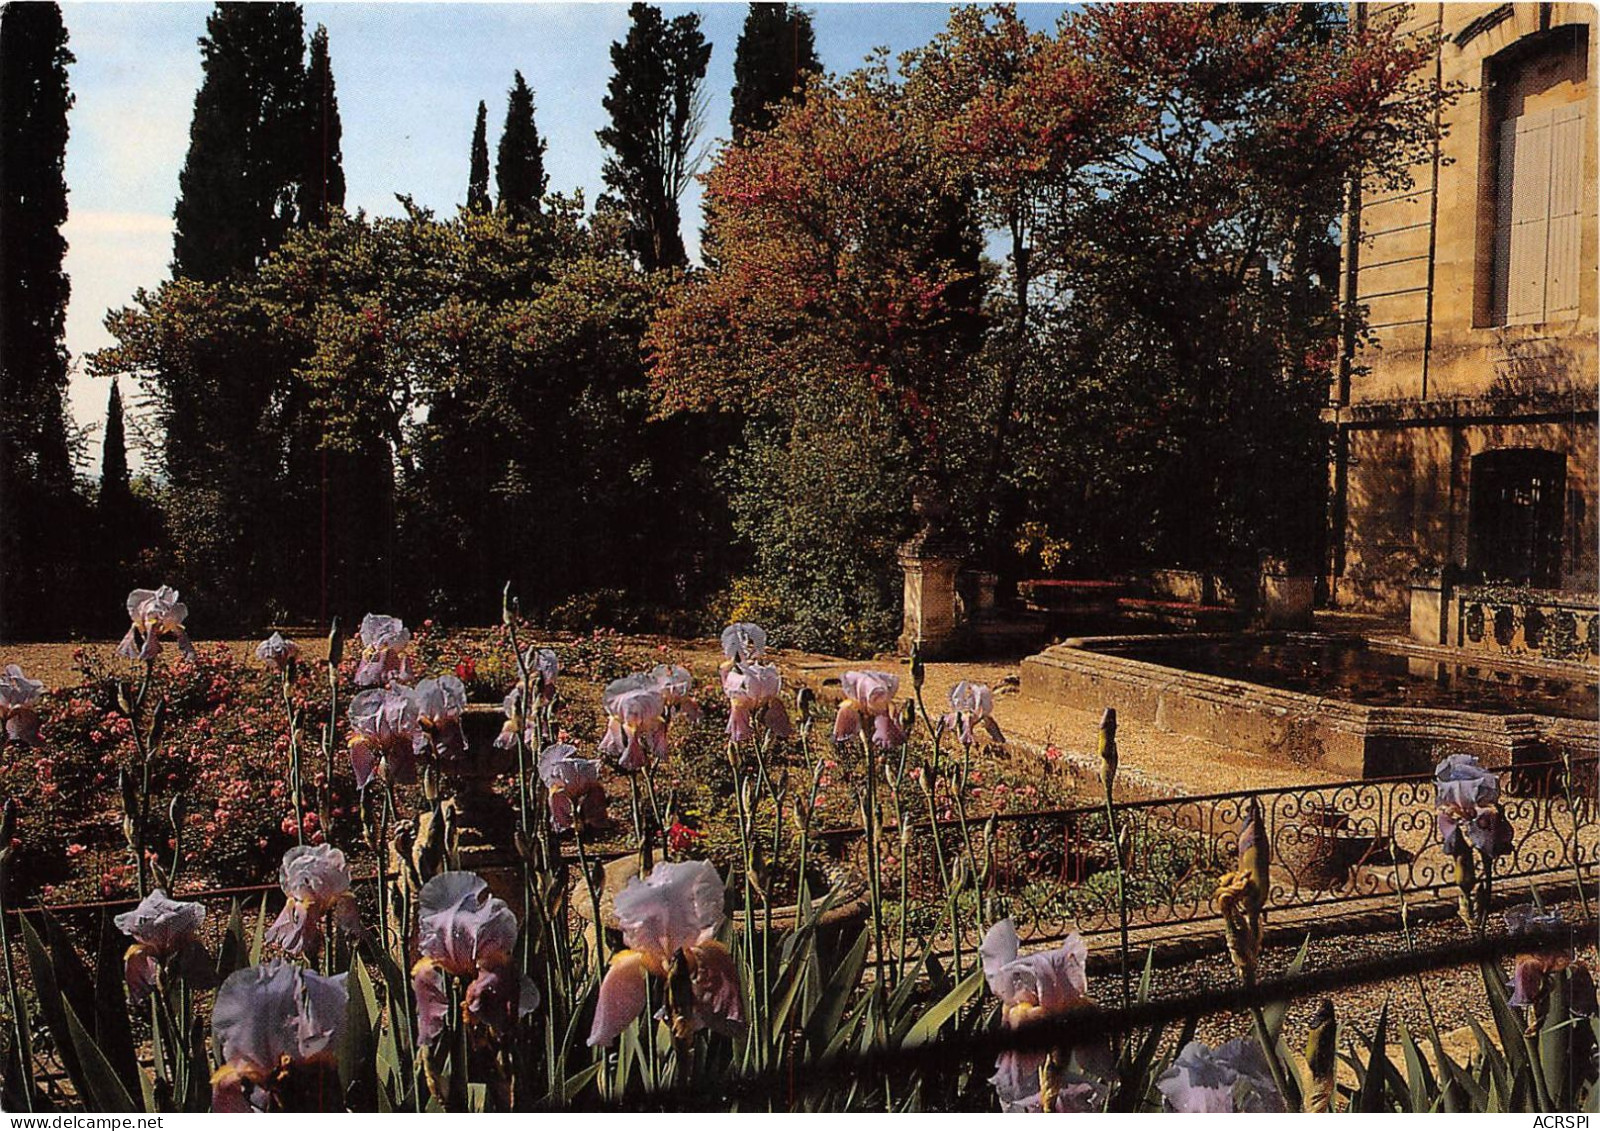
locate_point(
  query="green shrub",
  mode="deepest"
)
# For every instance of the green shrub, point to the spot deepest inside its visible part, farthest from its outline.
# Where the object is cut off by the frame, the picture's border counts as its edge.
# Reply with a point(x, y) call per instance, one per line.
point(823, 507)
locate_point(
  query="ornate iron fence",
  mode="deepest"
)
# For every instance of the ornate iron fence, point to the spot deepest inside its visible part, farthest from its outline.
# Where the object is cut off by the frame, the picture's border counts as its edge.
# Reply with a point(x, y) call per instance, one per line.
point(1331, 844)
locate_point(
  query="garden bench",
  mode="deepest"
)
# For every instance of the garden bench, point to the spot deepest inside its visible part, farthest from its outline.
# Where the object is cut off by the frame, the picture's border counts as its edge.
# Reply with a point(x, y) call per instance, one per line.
point(1177, 614)
point(1056, 595)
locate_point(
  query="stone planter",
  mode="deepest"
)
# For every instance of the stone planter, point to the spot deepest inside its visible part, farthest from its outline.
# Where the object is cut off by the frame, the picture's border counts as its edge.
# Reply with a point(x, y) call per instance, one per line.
point(1286, 598)
point(1430, 610)
point(838, 924)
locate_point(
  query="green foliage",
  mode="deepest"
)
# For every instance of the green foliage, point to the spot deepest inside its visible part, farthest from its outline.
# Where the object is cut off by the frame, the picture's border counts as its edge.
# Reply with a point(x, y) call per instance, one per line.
point(247, 143)
point(447, 394)
point(519, 163)
point(654, 100)
point(478, 173)
point(37, 508)
point(115, 487)
point(823, 508)
point(215, 355)
point(775, 56)
point(1545, 1065)
point(124, 520)
point(322, 179)
point(838, 323)
point(1192, 252)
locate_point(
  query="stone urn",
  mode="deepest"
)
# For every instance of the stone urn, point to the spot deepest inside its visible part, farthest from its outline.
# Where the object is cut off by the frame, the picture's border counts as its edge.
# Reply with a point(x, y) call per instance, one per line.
point(838, 924)
point(478, 821)
point(485, 820)
point(1321, 850)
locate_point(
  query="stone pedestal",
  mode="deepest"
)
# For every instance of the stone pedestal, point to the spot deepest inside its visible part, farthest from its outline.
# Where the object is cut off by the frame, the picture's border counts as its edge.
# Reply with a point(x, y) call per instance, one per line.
point(930, 621)
point(476, 824)
point(1430, 611)
point(984, 585)
point(1287, 599)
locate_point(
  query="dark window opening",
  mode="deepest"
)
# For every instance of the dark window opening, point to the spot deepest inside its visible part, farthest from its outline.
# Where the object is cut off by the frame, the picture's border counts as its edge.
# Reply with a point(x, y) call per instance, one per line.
point(1517, 500)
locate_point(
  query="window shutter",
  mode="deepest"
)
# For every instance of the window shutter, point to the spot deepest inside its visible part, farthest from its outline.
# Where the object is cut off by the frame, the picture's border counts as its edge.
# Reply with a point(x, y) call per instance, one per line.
point(1529, 162)
point(1566, 222)
point(1505, 157)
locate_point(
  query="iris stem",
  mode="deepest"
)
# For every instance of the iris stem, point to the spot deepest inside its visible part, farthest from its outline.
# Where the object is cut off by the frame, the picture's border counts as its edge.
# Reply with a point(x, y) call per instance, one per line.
point(873, 877)
point(1273, 1063)
point(294, 761)
point(1122, 897)
point(18, 1016)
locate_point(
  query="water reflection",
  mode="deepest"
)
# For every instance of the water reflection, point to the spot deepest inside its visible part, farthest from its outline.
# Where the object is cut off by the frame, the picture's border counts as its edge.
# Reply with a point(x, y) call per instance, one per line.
point(1360, 672)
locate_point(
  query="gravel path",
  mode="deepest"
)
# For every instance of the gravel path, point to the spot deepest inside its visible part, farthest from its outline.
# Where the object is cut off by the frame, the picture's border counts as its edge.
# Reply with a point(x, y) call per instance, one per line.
point(1453, 994)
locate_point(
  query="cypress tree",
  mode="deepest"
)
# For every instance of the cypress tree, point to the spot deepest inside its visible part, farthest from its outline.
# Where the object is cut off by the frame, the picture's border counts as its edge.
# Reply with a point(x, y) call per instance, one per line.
point(519, 164)
point(239, 186)
point(114, 482)
point(776, 51)
point(117, 517)
point(478, 176)
point(654, 99)
point(322, 179)
point(35, 458)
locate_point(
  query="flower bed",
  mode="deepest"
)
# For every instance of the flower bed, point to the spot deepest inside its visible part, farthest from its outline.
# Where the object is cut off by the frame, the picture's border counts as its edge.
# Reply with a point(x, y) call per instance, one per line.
point(470, 987)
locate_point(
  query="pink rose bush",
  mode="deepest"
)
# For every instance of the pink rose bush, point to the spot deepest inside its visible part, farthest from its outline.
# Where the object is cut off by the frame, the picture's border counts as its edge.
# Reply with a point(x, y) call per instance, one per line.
point(669, 922)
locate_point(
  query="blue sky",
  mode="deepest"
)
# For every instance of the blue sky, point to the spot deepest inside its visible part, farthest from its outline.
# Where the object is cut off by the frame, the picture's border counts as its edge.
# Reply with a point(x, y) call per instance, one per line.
point(409, 78)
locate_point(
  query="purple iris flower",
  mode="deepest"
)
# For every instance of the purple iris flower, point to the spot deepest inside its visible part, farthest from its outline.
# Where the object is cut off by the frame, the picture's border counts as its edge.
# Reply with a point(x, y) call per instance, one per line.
point(869, 703)
point(18, 694)
point(278, 1029)
point(154, 613)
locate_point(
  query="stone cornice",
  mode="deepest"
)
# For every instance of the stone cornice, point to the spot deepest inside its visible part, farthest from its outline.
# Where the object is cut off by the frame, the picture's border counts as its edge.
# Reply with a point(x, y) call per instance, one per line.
point(1572, 401)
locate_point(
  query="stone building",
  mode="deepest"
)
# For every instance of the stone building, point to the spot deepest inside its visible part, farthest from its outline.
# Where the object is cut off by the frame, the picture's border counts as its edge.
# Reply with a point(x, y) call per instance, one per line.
point(1465, 429)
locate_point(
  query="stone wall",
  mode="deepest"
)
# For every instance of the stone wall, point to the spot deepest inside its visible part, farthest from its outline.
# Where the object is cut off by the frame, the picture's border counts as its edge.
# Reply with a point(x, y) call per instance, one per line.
point(1408, 493)
point(1440, 381)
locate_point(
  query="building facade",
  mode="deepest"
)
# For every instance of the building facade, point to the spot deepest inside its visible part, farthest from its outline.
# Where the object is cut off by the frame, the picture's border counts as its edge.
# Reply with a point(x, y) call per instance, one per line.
point(1464, 423)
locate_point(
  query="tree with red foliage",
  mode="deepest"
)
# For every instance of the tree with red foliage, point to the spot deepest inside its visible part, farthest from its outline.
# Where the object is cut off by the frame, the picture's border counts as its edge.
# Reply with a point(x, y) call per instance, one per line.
point(844, 302)
point(1197, 317)
point(1017, 115)
point(1166, 180)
